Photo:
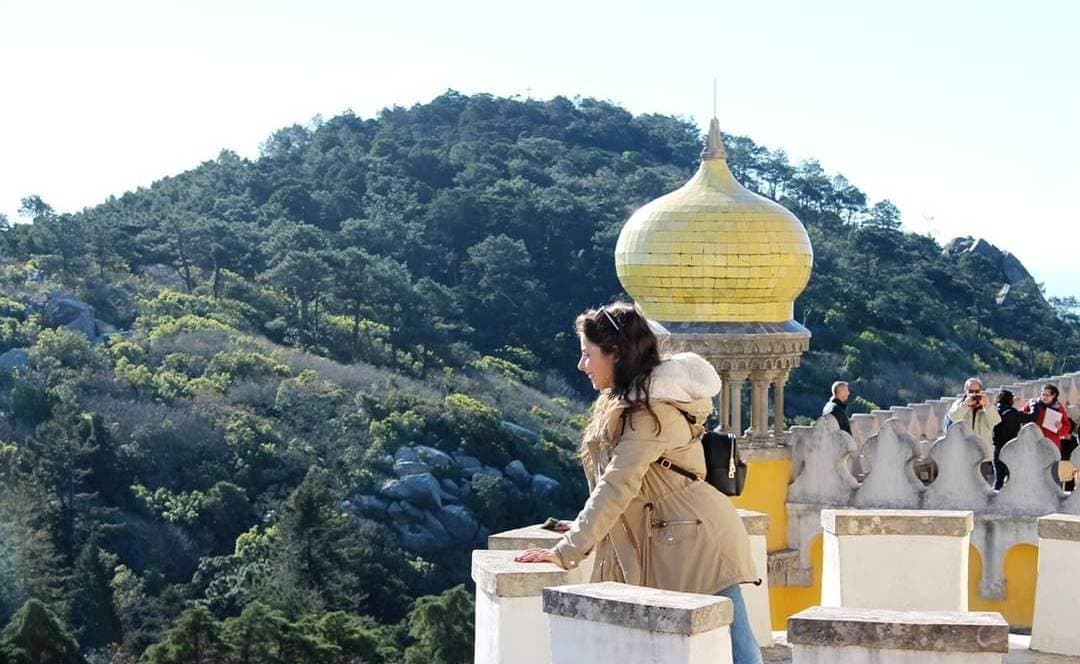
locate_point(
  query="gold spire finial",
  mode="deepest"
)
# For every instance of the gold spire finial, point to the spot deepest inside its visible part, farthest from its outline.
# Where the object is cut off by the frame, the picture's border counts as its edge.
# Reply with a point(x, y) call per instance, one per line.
point(714, 147)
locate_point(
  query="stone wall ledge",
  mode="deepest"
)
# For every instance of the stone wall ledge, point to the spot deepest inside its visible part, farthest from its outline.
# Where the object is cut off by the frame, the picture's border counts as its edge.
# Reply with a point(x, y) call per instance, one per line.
point(1060, 527)
point(932, 631)
point(946, 523)
point(496, 573)
point(638, 607)
point(520, 539)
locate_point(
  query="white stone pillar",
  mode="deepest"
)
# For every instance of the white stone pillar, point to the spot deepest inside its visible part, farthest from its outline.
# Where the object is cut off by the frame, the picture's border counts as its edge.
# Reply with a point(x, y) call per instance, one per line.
point(736, 404)
point(725, 401)
point(830, 635)
point(757, 596)
point(531, 537)
point(759, 407)
point(1057, 586)
point(615, 623)
point(778, 405)
point(510, 624)
point(904, 560)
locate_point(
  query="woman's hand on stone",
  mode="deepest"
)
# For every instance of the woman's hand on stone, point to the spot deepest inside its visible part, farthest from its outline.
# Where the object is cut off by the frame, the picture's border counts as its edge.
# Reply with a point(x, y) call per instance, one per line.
point(538, 556)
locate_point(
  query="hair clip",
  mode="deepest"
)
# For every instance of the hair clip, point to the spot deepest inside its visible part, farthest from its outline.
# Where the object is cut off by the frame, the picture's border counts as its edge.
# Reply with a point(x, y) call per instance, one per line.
point(610, 319)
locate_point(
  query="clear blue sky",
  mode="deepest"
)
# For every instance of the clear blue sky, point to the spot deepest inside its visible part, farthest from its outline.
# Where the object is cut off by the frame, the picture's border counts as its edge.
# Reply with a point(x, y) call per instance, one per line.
point(966, 114)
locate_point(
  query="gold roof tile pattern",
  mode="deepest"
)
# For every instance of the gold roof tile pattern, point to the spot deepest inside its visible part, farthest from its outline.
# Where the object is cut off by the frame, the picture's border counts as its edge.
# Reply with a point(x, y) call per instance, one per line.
point(714, 251)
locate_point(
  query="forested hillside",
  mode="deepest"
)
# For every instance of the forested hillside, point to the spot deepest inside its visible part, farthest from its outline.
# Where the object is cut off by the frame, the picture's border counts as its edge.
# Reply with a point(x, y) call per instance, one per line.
point(275, 403)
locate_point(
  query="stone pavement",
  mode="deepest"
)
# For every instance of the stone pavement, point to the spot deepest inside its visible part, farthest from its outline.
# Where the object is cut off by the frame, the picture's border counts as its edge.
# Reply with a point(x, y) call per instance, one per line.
point(1018, 652)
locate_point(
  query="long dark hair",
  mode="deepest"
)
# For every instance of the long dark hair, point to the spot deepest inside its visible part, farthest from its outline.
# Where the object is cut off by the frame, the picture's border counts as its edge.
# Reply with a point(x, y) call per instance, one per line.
point(621, 328)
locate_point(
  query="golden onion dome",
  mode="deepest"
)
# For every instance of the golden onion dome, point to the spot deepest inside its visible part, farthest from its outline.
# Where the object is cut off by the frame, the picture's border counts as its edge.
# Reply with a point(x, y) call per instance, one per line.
point(714, 251)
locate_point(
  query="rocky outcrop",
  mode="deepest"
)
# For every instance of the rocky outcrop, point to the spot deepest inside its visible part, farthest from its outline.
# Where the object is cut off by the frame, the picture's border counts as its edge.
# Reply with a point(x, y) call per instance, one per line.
point(426, 511)
point(1011, 272)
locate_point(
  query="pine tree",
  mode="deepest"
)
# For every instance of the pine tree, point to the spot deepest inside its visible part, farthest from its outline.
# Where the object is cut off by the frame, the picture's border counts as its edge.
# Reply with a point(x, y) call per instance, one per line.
point(36, 635)
point(93, 615)
point(196, 639)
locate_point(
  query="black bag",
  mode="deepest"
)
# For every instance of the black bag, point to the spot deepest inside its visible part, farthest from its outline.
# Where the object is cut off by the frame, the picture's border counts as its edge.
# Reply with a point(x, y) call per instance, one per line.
point(723, 467)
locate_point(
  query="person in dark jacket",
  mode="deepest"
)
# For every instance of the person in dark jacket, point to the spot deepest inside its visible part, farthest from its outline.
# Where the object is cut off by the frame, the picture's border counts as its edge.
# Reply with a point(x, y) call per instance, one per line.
point(837, 405)
point(1005, 430)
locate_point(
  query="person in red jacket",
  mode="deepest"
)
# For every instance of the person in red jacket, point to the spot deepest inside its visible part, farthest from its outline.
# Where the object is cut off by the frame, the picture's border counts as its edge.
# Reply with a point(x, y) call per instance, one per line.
point(1050, 415)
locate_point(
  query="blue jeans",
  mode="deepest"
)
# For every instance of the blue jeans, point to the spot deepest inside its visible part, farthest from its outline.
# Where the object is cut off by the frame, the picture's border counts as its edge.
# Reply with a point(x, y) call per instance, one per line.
point(744, 647)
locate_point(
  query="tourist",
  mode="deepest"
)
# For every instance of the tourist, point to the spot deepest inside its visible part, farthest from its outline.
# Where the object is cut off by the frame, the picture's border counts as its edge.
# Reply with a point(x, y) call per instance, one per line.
point(837, 405)
point(645, 523)
point(973, 407)
point(1050, 415)
point(1005, 430)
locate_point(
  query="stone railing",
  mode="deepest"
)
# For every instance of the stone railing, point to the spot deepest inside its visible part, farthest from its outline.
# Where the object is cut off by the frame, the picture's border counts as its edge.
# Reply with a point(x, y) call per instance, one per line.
point(822, 478)
point(924, 420)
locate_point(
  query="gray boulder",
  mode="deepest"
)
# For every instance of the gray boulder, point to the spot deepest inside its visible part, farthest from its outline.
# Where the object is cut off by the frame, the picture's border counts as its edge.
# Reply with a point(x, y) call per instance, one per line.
point(450, 487)
point(403, 468)
point(421, 490)
point(372, 507)
point(403, 512)
point(459, 523)
point(468, 464)
point(419, 538)
point(434, 457)
point(16, 359)
point(542, 486)
point(74, 315)
point(406, 453)
point(518, 430)
point(515, 470)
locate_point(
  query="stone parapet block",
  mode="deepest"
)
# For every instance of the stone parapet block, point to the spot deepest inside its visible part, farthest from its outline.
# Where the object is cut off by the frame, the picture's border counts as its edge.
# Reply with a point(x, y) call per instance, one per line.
point(932, 631)
point(496, 573)
point(946, 523)
point(1064, 527)
point(520, 539)
point(638, 607)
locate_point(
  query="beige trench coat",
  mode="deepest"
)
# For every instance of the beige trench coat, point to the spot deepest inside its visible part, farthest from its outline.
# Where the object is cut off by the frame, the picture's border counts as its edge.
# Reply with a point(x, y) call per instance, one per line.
point(649, 525)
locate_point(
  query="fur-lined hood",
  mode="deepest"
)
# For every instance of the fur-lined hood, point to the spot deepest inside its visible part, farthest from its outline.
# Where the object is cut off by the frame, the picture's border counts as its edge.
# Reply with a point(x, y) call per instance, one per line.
point(682, 378)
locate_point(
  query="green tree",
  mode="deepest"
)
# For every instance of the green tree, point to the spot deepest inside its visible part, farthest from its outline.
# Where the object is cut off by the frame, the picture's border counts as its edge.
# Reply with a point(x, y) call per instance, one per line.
point(35, 635)
point(196, 639)
point(93, 616)
point(443, 629)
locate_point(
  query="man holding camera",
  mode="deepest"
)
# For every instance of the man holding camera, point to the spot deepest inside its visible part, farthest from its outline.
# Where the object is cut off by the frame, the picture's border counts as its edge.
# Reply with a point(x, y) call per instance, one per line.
point(974, 407)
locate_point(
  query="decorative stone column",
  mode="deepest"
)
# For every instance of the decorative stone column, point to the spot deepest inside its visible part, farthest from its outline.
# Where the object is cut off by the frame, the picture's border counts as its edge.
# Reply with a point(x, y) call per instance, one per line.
point(624, 624)
point(1054, 627)
point(510, 624)
point(903, 560)
point(735, 396)
point(830, 635)
point(778, 405)
point(725, 401)
point(764, 352)
point(759, 411)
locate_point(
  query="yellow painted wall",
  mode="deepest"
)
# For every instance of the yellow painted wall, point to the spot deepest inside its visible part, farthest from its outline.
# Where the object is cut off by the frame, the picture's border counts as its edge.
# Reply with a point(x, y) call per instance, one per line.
point(1021, 567)
point(766, 491)
point(786, 601)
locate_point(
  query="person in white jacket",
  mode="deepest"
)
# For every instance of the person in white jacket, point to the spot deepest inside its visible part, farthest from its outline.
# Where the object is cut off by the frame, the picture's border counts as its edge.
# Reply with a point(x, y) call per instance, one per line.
point(974, 407)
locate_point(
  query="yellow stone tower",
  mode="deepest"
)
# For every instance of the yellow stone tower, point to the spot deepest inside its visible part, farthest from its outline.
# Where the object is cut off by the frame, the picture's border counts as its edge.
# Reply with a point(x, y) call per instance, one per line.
point(719, 267)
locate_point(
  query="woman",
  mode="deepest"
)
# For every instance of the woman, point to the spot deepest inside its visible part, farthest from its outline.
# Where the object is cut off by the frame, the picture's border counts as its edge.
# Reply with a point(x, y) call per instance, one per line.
point(1004, 431)
point(1050, 415)
point(646, 523)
